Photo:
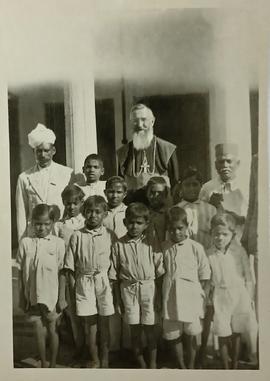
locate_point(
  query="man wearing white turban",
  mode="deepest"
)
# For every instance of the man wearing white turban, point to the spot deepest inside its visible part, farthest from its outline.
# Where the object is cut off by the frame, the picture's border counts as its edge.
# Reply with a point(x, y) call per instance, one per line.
point(42, 183)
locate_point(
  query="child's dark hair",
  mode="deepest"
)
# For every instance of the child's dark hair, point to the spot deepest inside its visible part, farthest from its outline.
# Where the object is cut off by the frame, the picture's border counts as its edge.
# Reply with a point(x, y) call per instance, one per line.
point(176, 214)
point(94, 156)
point(192, 171)
point(42, 209)
point(116, 180)
point(225, 219)
point(94, 201)
point(157, 180)
point(72, 191)
point(137, 209)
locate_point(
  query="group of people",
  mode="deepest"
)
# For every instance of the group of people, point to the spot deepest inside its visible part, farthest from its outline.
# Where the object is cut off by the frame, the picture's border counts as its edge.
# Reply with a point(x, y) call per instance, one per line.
point(143, 252)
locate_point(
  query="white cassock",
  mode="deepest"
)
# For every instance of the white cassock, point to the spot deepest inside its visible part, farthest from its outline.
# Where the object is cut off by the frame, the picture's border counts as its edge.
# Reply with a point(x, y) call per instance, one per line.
point(39, 186)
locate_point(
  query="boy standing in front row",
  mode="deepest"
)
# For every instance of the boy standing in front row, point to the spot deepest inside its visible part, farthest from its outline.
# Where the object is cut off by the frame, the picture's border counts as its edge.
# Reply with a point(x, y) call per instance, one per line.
point(232, 292)
point(136, 268)
point(72, 197)
point(187, 272)
point(40, 259)
point(88, 261)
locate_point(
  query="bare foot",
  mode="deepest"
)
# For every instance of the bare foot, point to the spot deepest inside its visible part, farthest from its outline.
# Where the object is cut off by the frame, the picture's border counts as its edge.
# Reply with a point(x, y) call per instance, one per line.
point(92, 364)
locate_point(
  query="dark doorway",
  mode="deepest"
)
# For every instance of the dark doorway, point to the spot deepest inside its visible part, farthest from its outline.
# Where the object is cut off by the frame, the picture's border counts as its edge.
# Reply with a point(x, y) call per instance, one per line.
point(55, 120)
point(106, 135)
point(184, 121)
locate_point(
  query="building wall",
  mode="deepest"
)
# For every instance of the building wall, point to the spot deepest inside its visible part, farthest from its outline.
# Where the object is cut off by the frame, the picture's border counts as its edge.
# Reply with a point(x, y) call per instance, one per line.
point(164, 53)
point(31, 110)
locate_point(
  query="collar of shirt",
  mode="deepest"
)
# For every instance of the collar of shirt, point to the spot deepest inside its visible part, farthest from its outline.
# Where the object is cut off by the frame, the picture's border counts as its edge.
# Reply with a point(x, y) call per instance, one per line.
point(94, 232)
point(47, 238)
point(184, 203)
point(233, 184)
point(44, 169)
point(74, 220)
point(119, 209)
point(135, 240)
point(96, 184)
point(219, 252)
point(184, 242)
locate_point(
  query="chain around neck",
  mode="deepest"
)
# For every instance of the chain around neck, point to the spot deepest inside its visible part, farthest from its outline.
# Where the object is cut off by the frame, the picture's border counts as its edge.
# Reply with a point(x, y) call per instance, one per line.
point(141, 168)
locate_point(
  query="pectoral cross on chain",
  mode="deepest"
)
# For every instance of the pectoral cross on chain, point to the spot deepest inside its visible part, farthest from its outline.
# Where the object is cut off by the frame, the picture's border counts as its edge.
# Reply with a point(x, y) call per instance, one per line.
point(145, 166)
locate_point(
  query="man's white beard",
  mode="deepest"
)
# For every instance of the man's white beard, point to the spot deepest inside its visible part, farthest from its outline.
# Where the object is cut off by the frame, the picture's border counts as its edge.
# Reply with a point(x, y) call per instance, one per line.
point(142, 139)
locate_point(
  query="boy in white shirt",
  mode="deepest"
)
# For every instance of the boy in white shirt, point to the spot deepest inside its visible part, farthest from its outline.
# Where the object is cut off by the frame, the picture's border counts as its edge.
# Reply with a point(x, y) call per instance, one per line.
point(93, 169)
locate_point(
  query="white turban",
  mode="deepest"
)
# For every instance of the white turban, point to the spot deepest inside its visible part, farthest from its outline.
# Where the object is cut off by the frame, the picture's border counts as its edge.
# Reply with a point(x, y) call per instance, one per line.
point(40, 135)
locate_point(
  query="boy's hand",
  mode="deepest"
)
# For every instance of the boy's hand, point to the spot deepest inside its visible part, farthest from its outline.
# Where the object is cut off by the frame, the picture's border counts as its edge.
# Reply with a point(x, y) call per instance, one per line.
point(22, 301)
point(23, 304)
point(216, 199)
point(61, 305)
point(119, 308)
point(158, 305)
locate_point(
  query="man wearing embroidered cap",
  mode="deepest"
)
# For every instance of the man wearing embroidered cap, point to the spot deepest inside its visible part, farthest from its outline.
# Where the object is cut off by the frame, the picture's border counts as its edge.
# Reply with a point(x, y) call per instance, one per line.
point(224, 191)
point(42, 183)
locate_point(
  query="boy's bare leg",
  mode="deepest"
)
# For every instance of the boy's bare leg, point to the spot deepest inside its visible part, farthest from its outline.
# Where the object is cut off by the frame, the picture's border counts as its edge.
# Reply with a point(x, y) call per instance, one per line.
point(76, 321)
point(136, 341)
point(179, 353)
point(205, 334)
point(223, 348)
point(78, 332)
point(54, 342)
point(192, 349)
point(236, 342)
point(40, 332)
point(92, 341)
point(150, 334)
point(104, 331)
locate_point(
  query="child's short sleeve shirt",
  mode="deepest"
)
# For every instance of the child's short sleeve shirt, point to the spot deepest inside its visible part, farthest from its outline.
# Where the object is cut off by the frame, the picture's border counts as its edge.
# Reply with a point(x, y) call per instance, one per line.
point(115, 220)
point(94, 189)
point(40, 260)
point(136, 260)
point(186, 265)
point(88, 256)
point(89, 250)
point(230, 269)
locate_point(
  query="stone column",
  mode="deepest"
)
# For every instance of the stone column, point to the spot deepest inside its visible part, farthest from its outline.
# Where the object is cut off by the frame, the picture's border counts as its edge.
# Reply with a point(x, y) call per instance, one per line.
point(80, 115)
point(229, 95)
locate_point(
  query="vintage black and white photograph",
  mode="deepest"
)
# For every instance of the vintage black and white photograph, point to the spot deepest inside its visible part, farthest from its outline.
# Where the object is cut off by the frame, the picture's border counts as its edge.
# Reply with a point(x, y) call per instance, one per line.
point(133, 155)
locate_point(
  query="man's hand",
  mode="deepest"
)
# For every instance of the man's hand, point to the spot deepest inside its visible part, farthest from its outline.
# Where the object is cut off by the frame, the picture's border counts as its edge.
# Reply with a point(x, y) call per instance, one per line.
point(216, 199)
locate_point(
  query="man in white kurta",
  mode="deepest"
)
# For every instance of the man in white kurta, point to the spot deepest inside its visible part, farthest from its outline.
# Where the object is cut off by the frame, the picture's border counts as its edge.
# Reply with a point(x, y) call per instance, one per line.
point(43, 183)
point(225, 190)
